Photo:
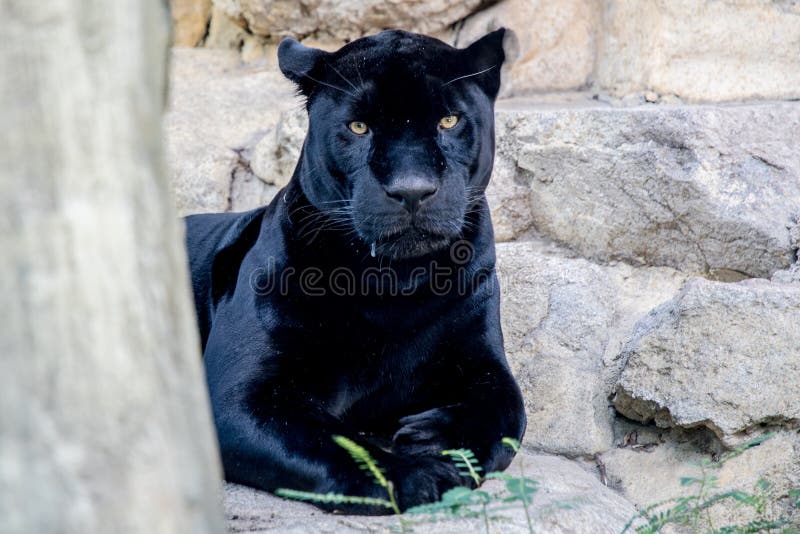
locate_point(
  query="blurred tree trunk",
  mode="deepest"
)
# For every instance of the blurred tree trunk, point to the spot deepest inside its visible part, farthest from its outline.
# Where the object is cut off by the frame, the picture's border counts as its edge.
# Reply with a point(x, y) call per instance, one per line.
point(104, 417)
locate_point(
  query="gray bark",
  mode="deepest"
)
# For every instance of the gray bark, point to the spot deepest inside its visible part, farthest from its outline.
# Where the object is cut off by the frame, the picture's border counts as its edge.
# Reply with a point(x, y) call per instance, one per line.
point(104, 417)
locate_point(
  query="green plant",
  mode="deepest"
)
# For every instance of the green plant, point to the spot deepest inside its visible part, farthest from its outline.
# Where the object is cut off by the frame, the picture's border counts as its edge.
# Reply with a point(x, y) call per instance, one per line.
point(466, 463)
point(365, 462)
point(694, 510)
point(459, 502)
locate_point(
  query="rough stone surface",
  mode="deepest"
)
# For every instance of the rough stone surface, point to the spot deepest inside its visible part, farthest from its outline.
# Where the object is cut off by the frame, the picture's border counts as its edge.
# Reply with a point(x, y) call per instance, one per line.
point(722, 356)
point(707, 189)
point(651, 472)
point(556, 320)
point(696, 50)
point(227, 33)
point(343, 20)
point(218, 109)
point(563, 321)
point(701, 49)
point(593, 508)
point(792, 274)
point(189, 21)
point(788, 276)
point(554, 47)
point(637, 290)
point(274, 157)
point(223, 31)
point(105, 419)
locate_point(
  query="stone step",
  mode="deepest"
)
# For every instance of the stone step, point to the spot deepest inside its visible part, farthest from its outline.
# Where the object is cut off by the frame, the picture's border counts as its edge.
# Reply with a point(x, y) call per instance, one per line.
point(702, 366)
point(650, 470)
point(712, 190)
point(709, 189)
point(686, 352)
point(698, 50)
point(565, 321)
point(721, 356)
point(568, 500)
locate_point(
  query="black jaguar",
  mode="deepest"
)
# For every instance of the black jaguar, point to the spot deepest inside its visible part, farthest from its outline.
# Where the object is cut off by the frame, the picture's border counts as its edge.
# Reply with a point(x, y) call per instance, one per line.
point(362, 301)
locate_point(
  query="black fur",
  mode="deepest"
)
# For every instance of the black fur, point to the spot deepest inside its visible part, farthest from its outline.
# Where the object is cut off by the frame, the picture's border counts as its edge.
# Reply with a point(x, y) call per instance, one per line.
point(363, 300)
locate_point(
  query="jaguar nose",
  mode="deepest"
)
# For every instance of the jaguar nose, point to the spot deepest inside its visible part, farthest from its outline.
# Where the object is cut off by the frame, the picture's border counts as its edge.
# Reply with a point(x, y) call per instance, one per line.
point(411, 193)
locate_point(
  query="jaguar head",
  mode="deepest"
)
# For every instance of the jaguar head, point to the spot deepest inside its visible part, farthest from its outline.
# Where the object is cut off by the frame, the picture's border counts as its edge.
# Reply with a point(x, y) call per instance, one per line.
point(400, 142)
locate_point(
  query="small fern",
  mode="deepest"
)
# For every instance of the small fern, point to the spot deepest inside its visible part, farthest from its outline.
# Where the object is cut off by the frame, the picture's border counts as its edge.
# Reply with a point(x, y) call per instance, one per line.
point(459, 502)
point(365, 462)
point(363, 458)
point(512, 443)
point(466, 463)
point(331, 498)
point(754, 527)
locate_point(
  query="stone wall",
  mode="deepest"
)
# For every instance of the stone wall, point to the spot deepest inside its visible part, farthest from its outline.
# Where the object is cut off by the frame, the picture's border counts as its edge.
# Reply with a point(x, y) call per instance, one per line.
point(646, 197)
point(694, 50)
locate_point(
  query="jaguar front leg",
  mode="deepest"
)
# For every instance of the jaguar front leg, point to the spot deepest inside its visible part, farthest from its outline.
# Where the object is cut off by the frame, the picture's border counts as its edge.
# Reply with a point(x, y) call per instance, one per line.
point(489, 407)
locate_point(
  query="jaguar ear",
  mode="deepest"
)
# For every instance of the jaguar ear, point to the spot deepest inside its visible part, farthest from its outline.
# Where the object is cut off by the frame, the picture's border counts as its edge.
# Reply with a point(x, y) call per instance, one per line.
point(297, 61)
point(485, 58)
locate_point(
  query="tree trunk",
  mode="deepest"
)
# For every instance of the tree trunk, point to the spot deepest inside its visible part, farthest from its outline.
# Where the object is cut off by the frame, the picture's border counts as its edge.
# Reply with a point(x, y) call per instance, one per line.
point(104, 418)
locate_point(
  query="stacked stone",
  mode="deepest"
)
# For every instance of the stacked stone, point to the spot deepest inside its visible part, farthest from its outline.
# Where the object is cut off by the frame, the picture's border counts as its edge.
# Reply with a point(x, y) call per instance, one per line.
point(646, 197)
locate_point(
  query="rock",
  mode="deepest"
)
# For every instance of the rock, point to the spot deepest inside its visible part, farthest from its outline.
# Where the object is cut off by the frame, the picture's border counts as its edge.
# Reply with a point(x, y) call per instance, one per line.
point(652, 474)
point(637, 291)
point(343, 20)
point(224, 32)
point(227, 33)
point(556, 317)
point(629, 100)
point(706, 189)
point(555, 42)
point(247, 191)
point(788, 276)
point(275, 155)
point(792, 274)
point(563, 323)
point(569, 500)
point(219, 109)
point(189, 21)
point(721, 356)
point(701, 50)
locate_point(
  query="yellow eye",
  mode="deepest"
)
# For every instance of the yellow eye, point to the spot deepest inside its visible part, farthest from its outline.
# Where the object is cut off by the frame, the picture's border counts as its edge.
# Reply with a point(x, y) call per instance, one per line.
point(358, 127)
point(448, 122)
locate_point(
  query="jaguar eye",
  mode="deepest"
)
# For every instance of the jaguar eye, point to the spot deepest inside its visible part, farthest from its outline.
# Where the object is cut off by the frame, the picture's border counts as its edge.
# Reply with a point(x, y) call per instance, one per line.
point(358, 127)
point(448, 122)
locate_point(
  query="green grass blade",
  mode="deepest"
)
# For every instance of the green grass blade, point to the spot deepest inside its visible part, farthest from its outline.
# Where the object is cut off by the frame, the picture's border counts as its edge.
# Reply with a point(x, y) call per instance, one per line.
point(465, 459)
point(511, 442)
point(335, 498)
point(363, 458)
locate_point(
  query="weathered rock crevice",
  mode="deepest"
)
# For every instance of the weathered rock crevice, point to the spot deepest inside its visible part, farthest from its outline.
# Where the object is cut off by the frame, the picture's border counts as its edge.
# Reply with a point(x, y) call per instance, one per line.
point(717, 355)
point(646, 412)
